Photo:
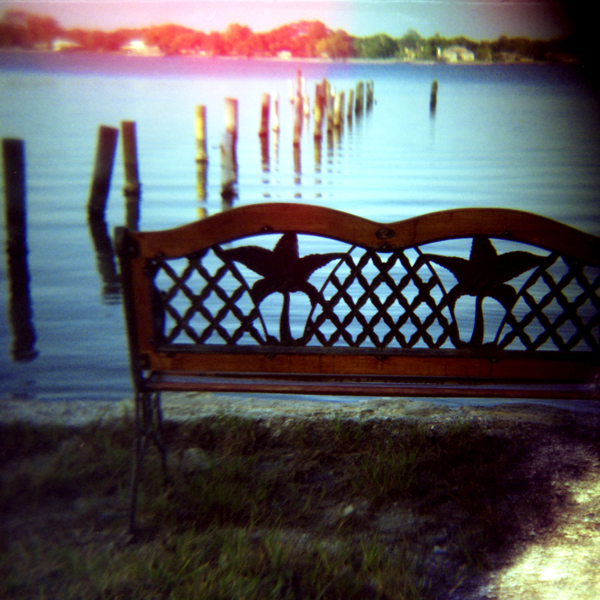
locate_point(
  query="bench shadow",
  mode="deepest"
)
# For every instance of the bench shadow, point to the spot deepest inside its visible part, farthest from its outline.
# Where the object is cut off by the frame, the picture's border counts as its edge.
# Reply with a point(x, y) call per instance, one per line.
point(463, 499)
point(447, 500)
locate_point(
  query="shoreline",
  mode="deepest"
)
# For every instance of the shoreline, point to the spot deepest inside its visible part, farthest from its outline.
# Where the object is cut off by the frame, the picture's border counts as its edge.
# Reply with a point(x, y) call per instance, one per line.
point(292, 60)
point(188, 406)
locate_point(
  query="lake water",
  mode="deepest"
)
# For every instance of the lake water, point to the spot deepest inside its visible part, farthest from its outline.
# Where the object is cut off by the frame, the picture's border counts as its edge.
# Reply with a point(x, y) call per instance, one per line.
point(514, 136)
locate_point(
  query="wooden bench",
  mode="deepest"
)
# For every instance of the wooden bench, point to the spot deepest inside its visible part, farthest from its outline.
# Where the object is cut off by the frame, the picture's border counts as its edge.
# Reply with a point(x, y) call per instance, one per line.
point(300, 299)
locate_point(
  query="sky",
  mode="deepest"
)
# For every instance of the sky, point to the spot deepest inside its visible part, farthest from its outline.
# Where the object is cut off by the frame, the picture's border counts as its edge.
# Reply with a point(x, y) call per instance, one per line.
point(476, 19)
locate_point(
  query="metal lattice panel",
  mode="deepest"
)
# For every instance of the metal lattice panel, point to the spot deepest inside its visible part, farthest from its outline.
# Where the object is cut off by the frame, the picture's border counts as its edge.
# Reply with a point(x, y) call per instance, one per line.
point(250, 295)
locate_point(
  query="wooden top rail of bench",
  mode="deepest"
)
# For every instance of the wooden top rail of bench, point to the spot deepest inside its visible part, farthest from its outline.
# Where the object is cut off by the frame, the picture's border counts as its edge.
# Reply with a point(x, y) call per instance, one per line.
point(304, 299)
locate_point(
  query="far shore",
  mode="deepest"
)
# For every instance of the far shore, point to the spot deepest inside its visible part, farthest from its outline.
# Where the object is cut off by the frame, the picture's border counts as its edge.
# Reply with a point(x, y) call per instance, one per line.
point(291, 60)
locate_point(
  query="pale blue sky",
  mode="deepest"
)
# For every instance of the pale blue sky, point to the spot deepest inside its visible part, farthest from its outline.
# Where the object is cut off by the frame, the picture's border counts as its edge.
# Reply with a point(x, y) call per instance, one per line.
point(477, 19)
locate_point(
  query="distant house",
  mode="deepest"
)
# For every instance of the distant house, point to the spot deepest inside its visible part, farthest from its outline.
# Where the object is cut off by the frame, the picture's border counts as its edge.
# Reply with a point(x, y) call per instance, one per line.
point(456, 54)
point(61, 45)
point(139, 47)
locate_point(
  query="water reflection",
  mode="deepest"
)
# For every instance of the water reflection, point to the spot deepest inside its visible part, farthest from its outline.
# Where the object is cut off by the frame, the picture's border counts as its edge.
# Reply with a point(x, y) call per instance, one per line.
point(318, 158)
point(229, 170)
point(201, 179)
point(105, 260)
point(297, 169)
point(264, 156)
point(21, 314)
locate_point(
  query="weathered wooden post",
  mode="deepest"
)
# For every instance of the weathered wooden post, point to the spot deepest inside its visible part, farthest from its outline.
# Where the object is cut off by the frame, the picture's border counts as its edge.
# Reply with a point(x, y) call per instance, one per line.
point(338, 110)
point(231, 117)
point(297, 123)
point(201, 173)
point(275, 150)
point(297, 168)
point(298, 85)
point(360, 98)
point(318, 155)
point(21, 314)
point(132, 187)
point(305, 100)
point(13, 153)
point(264, 115)
point(264, 153)
point(298, 111)
point(318, 110)
point(130, 159)
point(229, 154)
point(370, 94)
point(263, 132)
point(330, 93)
point(132, 214)
point(200, 121)
point(350, 105)
point(201, 153)
point(105, 157)
point(433, 97)
point(275, 125)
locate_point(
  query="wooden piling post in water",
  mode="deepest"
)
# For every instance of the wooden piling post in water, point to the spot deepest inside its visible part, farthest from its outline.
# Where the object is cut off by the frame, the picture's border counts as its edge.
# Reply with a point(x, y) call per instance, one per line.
point(329, 96)
point(24, 337)
point(317, 155)
point(263, 132)
point(298, 118)
point(297, 169)
point(264, 155)
point(298, 109)
point(200, 122)
point(338, 110)
point(370, 93)
point(13, 152)
point(201, 173)
point(360, 98)
point(132, 187)
point(264, 115)
point(433, 97)
point(275, 126)
point(231, 117)
point(229, 154)
point(350, 105)
point(297, 123)
point(318, 110)
point(305, 100)
point(201, 155)
point(105, 156)
point(130, 160)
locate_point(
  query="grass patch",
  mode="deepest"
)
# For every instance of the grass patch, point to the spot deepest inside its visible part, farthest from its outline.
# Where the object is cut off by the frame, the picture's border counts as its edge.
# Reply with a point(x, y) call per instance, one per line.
point(279, 509)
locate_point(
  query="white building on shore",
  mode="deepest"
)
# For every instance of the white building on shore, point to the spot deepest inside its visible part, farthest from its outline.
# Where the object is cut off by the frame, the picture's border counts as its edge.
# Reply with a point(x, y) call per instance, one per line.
point(455, 54)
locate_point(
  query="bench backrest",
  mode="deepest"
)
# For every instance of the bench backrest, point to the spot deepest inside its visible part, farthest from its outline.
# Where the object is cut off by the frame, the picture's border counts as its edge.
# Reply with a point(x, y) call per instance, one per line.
point(323, 299)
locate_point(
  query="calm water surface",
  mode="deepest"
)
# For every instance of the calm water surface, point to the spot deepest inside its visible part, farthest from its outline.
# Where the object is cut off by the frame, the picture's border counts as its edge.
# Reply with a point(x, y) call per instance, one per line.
point(519, 136)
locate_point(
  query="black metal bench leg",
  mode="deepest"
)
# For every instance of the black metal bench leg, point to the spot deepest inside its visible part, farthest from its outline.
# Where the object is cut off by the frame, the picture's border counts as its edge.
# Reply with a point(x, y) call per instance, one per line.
point(138, 449)
point(156, 433)
point(148, 423)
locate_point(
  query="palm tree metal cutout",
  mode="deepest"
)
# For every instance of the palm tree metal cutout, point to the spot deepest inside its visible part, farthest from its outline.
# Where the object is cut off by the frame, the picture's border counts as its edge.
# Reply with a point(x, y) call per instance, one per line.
point(484, 274)
point(284, 271)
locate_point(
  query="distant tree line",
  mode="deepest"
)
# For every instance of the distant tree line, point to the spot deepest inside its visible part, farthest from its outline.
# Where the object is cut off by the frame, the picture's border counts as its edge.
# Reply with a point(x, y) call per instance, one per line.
point(304, 39)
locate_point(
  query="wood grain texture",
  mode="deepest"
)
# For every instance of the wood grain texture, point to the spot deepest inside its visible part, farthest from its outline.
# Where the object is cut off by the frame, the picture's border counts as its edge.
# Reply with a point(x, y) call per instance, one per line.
point(460, 223)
